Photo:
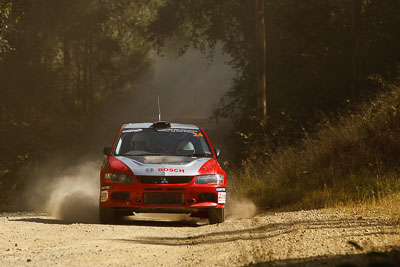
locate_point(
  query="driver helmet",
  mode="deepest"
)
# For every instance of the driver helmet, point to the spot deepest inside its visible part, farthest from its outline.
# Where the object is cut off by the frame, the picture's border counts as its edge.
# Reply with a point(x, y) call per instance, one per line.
point(185, 148)
point(139, 141)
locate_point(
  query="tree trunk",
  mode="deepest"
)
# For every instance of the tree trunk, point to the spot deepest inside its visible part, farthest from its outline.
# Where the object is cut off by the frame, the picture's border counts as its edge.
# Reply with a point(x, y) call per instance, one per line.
point(78, 82)
point(85, 74)
point(67, 64)
point(261, 61)
point(90, 71)
point(356, 14)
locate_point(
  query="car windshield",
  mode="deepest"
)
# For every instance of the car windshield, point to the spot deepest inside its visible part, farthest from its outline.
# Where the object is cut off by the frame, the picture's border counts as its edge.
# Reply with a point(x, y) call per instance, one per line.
point(160, 142)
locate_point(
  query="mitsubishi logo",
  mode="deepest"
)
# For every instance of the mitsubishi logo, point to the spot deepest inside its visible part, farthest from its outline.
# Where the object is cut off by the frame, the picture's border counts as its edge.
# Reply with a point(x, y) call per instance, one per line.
point(164, 180)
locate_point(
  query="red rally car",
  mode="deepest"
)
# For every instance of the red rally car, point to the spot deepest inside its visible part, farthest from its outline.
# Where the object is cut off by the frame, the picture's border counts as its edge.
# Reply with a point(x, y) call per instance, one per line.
point(162, 167)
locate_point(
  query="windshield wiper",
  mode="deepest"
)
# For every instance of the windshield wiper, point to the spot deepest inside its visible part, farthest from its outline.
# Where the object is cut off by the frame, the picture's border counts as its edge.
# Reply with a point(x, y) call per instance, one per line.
point(197, 155)
point(145, 154)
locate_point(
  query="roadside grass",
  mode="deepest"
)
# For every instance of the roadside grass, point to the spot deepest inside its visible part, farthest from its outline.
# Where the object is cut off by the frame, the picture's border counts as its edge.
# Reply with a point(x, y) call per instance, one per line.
point(385, 207)
point(354, 159)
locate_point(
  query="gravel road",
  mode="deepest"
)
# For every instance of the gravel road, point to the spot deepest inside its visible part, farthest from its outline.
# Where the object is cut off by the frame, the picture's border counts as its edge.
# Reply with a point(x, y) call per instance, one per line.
point(316, 237)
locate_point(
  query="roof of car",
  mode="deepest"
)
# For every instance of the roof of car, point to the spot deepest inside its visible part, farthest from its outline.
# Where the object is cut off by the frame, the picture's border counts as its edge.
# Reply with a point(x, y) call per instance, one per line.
point(150, 124)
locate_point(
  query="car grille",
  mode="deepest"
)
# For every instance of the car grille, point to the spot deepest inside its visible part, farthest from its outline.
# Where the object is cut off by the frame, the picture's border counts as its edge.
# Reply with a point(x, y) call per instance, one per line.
point(158, 198)
point(207, 197)
point(120, 196)
point(164, 179)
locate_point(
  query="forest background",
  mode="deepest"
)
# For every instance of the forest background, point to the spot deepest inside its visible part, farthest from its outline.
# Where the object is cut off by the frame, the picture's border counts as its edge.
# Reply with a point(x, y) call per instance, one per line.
point(62, 64)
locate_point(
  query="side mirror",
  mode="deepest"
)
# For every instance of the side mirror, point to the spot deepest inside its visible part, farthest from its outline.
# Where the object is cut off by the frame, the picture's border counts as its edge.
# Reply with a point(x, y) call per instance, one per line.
point(217, 152)
point(106, 151)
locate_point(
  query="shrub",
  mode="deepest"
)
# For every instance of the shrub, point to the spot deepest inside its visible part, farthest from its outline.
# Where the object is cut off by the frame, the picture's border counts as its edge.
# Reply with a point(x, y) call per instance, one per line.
point(354, 158)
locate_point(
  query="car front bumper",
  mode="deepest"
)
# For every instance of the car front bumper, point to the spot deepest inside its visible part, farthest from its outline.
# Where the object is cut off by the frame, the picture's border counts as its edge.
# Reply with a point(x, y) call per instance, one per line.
point(171, 198)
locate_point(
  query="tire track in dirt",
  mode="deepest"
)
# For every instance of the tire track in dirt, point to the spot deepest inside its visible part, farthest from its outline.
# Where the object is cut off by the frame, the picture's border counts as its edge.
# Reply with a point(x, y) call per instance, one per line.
point(305, 237)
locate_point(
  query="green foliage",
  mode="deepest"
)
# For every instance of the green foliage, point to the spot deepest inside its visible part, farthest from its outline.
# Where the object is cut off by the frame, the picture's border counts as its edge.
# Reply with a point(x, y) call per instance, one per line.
point(67, 58)
point(5, 9)
point(353, 159)
point(11, 12)
point(309, 58)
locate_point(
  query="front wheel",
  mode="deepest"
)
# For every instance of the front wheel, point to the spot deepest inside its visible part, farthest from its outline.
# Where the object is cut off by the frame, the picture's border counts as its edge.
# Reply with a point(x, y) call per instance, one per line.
point(216, 215)
point(106, 214)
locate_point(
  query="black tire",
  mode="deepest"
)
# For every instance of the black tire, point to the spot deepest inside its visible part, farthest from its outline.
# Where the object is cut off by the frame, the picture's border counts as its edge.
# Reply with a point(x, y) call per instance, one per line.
point(106, 214)
point(216, 215)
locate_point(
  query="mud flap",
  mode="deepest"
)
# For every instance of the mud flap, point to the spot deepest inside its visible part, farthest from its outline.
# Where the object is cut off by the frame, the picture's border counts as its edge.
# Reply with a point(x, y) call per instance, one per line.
point(106, 214)
point(200, 214)
point(216, 215)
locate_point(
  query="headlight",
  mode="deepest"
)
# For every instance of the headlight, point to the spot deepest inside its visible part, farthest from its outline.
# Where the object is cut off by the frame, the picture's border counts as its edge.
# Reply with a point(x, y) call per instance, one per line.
point(119, 177)
point(210, 179)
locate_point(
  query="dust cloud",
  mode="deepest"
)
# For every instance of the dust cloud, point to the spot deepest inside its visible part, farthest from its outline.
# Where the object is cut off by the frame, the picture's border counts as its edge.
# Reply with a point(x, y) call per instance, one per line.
point(71, 195)
point(239, 208)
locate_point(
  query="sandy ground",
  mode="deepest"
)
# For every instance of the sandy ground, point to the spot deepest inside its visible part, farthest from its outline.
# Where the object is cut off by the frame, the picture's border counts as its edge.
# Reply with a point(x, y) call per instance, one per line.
point(318, 237)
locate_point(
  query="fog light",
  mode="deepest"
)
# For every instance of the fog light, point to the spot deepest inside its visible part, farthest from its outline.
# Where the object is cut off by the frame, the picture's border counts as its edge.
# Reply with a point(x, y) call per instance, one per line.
point(191, 201)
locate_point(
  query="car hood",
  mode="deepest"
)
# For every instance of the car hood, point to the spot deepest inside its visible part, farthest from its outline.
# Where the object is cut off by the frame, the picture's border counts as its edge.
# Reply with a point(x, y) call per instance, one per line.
point(163, 165)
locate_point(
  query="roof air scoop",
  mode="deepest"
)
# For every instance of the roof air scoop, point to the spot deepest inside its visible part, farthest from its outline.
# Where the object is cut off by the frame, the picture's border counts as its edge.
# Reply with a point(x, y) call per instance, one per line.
point(161, 125)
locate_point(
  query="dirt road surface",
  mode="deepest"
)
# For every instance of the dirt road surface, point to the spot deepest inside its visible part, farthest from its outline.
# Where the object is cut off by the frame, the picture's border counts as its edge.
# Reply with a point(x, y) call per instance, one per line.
point(313, 238)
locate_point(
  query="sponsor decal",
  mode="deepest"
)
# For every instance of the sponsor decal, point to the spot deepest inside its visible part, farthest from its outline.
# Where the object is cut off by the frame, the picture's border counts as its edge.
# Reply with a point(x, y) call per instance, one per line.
point(170, 170)
point(176, 130)
point(165, 166)
point(149, 170)
point(132, 130)
point(103, 196)
point(221, 197)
